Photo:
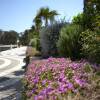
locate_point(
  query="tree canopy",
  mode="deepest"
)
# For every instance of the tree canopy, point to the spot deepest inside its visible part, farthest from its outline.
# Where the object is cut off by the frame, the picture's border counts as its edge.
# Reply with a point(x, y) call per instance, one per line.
point(8, 37)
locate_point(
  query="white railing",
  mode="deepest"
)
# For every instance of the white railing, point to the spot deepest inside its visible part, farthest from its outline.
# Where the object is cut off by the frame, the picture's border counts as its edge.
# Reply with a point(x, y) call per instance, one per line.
point(6, 47)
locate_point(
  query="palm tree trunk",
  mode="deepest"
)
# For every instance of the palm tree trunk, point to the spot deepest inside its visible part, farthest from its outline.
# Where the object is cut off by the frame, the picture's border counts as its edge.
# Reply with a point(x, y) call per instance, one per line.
point(52, 20)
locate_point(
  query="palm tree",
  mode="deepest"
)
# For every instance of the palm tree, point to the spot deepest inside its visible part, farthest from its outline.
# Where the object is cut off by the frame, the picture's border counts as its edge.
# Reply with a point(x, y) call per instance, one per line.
point(38, 23)
point(45, 14)
point(52, 15)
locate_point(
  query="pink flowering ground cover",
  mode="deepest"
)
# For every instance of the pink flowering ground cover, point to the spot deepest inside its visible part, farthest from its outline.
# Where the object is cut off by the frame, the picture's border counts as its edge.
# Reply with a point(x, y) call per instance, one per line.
point(59, 79)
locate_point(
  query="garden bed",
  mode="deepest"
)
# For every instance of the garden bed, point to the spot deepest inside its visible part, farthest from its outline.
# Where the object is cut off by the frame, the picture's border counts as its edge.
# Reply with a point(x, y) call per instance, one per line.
point(61, 79)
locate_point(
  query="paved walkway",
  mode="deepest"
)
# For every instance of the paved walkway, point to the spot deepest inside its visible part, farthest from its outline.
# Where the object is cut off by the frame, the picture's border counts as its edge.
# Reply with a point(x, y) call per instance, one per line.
point(10, 86)
point(11, 73)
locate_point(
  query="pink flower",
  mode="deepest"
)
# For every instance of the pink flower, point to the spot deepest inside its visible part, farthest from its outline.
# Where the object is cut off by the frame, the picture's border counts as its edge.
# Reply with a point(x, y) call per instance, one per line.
point(40, 97)
point(80, 82)
point(50, 77)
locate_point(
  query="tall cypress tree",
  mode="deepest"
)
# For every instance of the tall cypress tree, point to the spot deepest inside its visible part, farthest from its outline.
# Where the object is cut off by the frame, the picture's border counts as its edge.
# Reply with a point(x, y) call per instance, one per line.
point(91, 13)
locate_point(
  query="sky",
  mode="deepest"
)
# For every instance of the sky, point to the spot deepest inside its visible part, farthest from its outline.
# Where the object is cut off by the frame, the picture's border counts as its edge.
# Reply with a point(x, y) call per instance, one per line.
point(18, 15)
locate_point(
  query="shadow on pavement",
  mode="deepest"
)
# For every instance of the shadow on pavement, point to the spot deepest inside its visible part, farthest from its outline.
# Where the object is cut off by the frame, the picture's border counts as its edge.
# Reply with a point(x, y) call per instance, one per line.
point(11, 86)
point(13, 92)
point(4, 79)
point(18, 73)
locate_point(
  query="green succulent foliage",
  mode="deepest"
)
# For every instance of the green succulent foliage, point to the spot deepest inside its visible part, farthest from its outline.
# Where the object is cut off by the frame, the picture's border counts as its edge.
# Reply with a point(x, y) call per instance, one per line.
point(68, 45)
point(88, 68)
point(90, 41)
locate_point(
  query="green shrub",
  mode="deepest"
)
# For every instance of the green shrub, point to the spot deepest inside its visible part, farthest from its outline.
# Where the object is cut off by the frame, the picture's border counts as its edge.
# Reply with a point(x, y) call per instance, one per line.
point(48, 39)
point(67, 44)
point(38, 47)
point(78, 19)
point(35, 42)
point(90, 41)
